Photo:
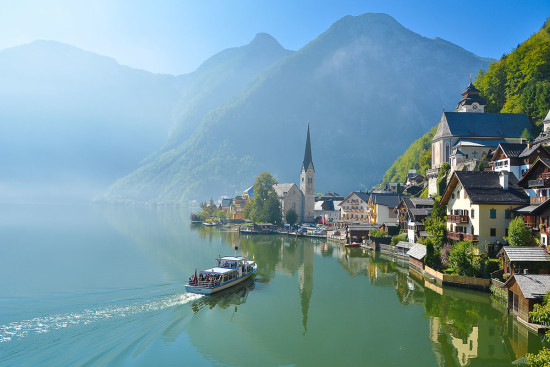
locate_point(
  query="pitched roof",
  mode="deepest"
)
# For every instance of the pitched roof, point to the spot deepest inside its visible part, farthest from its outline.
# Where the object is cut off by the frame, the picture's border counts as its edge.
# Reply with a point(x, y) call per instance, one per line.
point(528, 151)
point(361, 194)
point(418, 251)
point(471, 95)
point(405, 244)
point(547, 118)
point(511, 150)
point(387, 199)
point(527, 175)
point(308, 159)
point(422, 202)
point(281, 189)
point(533, 286)
point(484, 188)
point(531, 254)
point(485, 125)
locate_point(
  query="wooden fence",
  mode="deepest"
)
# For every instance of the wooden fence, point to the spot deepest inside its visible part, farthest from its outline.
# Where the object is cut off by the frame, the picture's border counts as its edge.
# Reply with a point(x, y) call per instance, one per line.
point(457, 280)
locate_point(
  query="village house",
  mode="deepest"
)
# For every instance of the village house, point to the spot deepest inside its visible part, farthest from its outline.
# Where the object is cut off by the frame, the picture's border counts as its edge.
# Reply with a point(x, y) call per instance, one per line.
point(470, 134)
point(354, 207)
point(414, 179)
point(525, 291)
point(380, 208)
point(237, 207)
point(536, 181)
point(480, 204)
point(328, 210)
point(411, 213)
point(517, 158)
point(524, 260)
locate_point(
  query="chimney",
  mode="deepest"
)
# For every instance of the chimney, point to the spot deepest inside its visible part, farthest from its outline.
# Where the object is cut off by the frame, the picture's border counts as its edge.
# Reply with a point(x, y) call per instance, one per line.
point(529, 144)
point(503, 179)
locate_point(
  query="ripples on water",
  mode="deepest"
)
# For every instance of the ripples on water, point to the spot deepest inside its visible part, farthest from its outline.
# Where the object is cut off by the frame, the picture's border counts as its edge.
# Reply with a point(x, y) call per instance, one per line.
point(39, 325)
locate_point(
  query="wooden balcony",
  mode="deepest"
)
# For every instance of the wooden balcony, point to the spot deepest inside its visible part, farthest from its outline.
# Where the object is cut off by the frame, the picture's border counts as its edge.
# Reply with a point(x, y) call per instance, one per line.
point(539, 182)
point(538, 200)
point(459, 236)
point(457, 218)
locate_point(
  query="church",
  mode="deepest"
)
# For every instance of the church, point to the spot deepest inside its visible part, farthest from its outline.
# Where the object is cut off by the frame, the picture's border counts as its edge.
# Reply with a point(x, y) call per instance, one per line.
point(469, 134)
point(302, 199)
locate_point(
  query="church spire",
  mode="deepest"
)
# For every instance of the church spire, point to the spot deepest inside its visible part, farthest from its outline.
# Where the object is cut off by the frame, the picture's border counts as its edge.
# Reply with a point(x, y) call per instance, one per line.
point(307, 155)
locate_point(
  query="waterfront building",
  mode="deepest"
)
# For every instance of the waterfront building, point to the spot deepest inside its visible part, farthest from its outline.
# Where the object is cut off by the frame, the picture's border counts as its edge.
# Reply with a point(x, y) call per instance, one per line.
point(544, 136)
point(328, 210)
point(354, 207)
point(480, 204)
point(290, 197)
point(469, 134)
point(524, 260)
point(411, 213)
point(380, 207)
point(525, 291)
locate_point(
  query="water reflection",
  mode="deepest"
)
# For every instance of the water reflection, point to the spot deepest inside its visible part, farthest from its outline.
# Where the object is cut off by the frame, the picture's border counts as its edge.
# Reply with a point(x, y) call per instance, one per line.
point(467, 328)
point(464, 328)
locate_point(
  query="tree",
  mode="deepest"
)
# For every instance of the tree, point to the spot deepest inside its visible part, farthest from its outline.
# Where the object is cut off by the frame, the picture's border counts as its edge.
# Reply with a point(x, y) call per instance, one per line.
point(264, 206)
point(519, 234)
point(291, 217)
point(541, 315)
point(461, 258)
point(442, 178)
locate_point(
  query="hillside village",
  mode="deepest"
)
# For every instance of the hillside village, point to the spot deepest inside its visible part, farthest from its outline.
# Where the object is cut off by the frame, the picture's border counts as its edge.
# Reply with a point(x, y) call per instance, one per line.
point(486, 181)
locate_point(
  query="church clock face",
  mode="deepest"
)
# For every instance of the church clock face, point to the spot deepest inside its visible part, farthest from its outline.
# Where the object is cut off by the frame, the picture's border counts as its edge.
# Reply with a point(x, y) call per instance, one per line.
point(474, 106)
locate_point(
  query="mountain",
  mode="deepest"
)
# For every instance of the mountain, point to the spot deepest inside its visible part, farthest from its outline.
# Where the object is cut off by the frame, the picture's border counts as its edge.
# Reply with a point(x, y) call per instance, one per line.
point(73, 121)
point(368, 85)
point(219, 79)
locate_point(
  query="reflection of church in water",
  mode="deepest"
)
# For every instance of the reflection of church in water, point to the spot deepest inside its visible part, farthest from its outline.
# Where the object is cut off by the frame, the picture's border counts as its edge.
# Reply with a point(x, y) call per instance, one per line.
point(299, 257)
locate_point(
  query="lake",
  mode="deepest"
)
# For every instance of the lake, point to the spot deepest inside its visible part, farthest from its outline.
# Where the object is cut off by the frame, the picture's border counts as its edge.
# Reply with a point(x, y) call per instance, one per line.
point(104, 286)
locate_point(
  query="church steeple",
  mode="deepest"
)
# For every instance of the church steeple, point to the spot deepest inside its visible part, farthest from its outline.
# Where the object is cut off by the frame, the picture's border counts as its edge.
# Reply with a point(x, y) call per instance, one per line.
point(471, 100)
point(307, 182)
point(308, 159)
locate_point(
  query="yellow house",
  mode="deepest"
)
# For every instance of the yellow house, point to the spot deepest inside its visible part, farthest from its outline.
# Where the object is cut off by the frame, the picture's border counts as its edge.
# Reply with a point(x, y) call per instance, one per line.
point(480, 204)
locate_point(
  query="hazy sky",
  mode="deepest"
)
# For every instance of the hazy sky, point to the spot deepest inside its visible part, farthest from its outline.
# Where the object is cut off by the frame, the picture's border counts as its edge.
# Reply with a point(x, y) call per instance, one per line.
point(176, 36)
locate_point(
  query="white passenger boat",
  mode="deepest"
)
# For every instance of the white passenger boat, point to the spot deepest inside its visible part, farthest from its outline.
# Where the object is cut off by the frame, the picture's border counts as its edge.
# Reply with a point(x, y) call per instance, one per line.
point(229, 271)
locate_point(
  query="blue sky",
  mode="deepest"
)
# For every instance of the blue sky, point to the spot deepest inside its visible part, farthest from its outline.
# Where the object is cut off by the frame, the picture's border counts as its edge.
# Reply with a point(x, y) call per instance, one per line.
point(176, 36)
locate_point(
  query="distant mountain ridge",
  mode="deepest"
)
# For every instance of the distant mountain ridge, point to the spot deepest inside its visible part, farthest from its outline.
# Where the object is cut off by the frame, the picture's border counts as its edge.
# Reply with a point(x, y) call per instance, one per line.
point(369, 87)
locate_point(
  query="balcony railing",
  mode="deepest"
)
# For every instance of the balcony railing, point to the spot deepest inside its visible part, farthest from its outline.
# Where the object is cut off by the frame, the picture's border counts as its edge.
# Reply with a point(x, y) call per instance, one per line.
point(539, 182)
point(459, 236)
point(538, 199)
point(457, 218)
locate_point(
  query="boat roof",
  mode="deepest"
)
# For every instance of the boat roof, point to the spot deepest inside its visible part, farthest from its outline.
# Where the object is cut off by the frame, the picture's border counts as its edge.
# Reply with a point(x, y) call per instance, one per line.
point(218, 270)
point(232, 258)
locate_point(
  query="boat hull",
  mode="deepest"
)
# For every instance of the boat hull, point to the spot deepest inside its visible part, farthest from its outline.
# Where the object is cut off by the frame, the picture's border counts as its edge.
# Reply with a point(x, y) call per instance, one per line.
point(221, 287)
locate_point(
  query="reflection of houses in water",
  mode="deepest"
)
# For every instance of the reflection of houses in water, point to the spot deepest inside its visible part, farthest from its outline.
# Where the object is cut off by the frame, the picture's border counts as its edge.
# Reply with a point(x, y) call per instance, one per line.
point(298, 256)
point(469, 327)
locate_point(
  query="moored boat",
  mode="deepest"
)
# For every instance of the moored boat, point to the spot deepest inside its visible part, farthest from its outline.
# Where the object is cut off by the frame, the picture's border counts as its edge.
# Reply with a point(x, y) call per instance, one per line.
point(353, 244)
point(230, 270)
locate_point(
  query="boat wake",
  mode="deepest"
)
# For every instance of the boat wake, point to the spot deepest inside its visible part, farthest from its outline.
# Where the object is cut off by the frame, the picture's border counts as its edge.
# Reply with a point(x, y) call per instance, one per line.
point(45, 324)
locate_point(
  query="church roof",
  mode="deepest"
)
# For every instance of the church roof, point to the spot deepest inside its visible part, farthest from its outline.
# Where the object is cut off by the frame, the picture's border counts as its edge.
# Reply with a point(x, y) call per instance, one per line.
point(282, 189)
point(308, 159)
point(482, 125)
point(547, 118)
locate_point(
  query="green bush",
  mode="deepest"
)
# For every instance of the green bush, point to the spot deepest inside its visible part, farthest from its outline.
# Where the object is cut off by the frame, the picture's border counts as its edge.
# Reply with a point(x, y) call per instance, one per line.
point(402, 237)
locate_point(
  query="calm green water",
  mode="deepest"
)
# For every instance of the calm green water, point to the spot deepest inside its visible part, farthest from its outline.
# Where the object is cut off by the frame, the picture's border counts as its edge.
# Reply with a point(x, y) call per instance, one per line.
point(97, 286)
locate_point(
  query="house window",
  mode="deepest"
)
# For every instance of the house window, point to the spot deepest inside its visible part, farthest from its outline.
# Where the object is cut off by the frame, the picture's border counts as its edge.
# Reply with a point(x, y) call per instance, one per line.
point(507, 214)
point(506, 232)
point(493, 232)
point(493, 213)
point(473, 213)
point(453, 195)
